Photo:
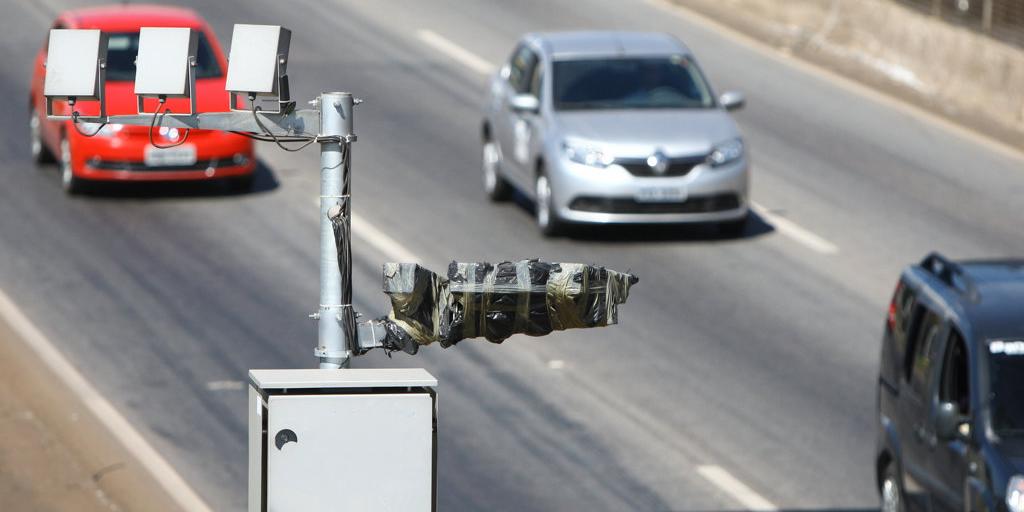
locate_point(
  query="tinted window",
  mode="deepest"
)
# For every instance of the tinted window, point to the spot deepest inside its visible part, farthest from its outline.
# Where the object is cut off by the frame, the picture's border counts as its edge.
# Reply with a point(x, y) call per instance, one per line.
point(630, 83)
point(123, 48)
point(903, 306)
point(953, 386)
point(920, 361)
point(521, 69)
point(1007, 374)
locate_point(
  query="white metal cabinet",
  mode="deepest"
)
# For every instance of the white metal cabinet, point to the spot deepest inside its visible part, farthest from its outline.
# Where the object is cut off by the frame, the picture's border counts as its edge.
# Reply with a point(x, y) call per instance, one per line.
point(338, 440)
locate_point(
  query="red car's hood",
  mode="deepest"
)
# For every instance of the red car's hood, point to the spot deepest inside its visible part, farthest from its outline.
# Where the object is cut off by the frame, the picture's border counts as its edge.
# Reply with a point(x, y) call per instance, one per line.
point(210, 97)
point(120, 96)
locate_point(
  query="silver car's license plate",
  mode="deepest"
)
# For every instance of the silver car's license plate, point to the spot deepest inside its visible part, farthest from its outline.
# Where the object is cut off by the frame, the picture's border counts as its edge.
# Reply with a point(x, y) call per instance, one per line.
point(176, 156)
point(660, 195)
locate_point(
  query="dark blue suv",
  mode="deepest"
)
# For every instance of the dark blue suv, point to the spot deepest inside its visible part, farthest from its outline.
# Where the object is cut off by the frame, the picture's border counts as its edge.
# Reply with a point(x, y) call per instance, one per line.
point(951, 389)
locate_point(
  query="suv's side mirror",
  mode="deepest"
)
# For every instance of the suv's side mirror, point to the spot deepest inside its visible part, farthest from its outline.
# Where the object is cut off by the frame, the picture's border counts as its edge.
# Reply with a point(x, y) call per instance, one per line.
point(525, 103)
point(732, 100)
point(948, 421)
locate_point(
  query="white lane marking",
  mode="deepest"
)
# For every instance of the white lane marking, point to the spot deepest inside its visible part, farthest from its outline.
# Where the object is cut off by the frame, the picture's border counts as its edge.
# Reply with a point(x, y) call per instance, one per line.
point(225, 385)
point(104, 411)
point(463, 56)
point(738, 490)
point(388, 246)
point(844, 82)
point(556, 364)
point(795, 231)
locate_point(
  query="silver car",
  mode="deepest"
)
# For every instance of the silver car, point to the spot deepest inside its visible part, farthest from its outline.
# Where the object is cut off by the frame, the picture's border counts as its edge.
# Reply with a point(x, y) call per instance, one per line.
point(614, 127)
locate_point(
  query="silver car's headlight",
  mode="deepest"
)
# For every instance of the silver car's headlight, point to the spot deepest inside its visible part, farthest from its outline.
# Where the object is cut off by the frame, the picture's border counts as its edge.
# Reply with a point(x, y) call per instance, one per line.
point(1015, 494)
point(726, 153)
point(587, 155)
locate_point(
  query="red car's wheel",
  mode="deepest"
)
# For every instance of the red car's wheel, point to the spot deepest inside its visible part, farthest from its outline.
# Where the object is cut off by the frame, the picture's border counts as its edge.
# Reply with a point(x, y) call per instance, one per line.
point(71, 184)
point(40, 154)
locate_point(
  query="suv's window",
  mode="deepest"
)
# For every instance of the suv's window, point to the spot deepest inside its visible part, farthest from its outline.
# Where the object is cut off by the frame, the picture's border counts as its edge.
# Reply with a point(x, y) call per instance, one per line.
point(521, 69)
point(953, 384)
point(903, 305)
point(122, 48)
point(919, 354)
point(1007, 386)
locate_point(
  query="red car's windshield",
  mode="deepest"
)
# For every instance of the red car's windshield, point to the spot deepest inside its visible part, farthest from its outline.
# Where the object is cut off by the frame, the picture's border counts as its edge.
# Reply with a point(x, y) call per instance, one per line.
point(123, 47)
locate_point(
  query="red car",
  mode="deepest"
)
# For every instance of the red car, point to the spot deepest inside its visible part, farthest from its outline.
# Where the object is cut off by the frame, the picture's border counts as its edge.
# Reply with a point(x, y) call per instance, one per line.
point(124, 153)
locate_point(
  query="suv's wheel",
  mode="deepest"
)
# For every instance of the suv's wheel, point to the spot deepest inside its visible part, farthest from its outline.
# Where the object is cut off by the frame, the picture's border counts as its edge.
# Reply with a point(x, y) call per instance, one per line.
point(497, 188)
point(71, 184)
point(40, 154)
point(891, 491)
point(547, 217)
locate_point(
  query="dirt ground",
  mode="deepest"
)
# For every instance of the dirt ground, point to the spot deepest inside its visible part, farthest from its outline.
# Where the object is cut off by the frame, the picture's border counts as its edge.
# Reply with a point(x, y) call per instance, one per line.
point(38, 471)
point(57, 455)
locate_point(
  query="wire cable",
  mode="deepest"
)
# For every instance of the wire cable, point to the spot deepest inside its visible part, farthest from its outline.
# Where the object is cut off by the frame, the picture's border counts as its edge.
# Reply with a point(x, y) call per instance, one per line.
point(268, 139)
point(153, 124)
point(276, 140)
point(74, 122)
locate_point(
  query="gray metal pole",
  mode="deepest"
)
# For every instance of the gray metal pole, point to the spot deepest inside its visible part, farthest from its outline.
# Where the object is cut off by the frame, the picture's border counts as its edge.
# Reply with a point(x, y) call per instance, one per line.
point(336, 317)
point(986, 15)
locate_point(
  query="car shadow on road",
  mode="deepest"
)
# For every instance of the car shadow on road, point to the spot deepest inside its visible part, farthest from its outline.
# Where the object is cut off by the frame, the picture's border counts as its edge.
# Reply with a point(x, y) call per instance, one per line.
point(264, 180)
point(632, 233)
point(838, 509)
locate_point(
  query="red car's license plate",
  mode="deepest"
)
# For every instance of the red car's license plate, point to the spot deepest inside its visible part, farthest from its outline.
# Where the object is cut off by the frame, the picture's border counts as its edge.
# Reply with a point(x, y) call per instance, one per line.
point(170, 157)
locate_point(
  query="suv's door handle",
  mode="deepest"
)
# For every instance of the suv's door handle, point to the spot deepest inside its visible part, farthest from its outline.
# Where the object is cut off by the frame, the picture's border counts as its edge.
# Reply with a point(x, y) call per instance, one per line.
point(920, 433)
point(924, 436)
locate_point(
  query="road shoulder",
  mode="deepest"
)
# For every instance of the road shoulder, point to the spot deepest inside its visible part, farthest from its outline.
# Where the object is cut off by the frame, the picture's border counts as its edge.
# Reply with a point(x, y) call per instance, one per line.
point(806, 33)
point(54, 453)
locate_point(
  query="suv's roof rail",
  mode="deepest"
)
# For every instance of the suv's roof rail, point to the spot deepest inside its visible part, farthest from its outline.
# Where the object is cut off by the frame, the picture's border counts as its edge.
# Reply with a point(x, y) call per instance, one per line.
point(949, 272)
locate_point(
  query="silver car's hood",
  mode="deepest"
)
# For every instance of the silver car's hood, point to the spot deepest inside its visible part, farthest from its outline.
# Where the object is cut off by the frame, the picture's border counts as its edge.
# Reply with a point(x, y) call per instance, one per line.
point(641, 132)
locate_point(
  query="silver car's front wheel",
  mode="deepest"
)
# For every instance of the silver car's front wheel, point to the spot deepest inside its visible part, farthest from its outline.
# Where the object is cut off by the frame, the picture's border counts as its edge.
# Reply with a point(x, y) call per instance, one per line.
point(547, 217)
point(494, 184)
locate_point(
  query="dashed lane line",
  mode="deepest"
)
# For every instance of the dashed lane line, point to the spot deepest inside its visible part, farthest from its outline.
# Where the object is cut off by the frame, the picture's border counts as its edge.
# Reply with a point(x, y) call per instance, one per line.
point(794, 231)
point(746, 496)
point(460, 54)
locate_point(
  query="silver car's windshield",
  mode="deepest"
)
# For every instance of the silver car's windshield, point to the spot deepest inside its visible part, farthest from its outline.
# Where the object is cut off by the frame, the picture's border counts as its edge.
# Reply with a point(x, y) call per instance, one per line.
point(629, 83)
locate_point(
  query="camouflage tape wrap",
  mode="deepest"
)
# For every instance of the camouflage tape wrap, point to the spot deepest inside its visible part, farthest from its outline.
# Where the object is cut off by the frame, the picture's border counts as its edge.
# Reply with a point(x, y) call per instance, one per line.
point(496, 301)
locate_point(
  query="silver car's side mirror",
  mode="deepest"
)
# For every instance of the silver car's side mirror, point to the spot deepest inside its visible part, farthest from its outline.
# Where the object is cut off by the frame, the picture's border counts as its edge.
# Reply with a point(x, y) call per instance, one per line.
point(732, 100)
point(525, 103)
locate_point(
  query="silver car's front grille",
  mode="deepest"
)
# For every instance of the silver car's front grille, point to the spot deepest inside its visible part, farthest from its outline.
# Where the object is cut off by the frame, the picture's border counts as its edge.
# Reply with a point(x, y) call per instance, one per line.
point(694, 204)
point(678, 166)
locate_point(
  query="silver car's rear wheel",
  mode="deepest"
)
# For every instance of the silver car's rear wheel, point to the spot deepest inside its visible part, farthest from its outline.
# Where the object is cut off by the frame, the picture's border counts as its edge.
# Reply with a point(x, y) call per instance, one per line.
point(547, 217)
point(494, 184)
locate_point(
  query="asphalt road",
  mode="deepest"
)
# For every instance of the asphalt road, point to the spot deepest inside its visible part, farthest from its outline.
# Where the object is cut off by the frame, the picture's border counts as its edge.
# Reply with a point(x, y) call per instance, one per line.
point(754, 358)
